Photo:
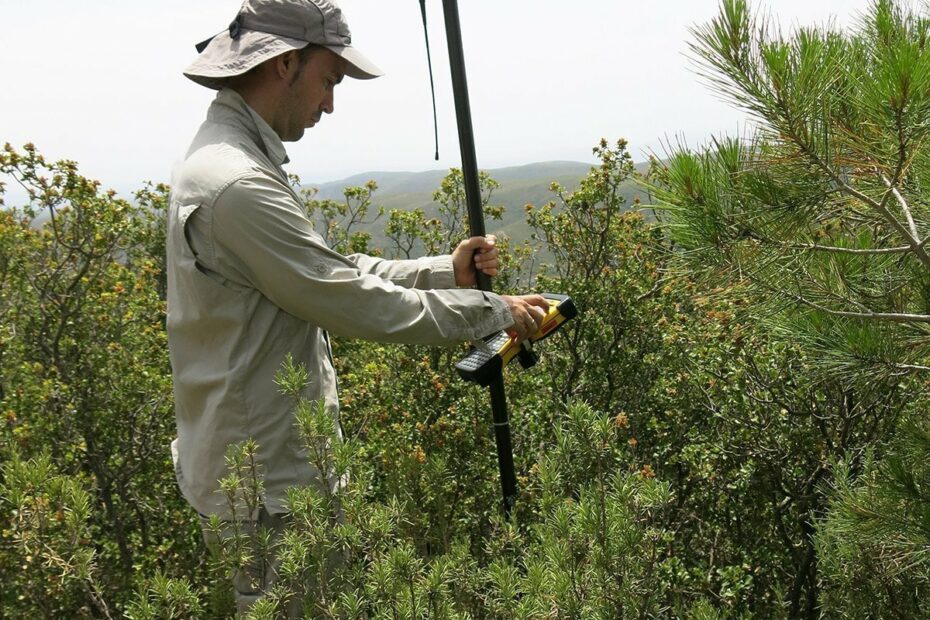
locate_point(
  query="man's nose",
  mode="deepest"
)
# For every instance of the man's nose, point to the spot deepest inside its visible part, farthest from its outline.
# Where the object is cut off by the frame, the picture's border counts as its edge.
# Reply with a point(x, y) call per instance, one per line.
point(327, 104)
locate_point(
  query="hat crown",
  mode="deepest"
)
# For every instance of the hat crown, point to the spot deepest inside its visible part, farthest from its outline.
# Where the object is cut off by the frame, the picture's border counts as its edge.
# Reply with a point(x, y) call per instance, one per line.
point(264, 29)
point(315, 21)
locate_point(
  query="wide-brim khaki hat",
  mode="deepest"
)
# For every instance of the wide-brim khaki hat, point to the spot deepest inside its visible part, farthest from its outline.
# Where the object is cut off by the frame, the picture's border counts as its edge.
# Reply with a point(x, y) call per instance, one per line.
point(264, 29)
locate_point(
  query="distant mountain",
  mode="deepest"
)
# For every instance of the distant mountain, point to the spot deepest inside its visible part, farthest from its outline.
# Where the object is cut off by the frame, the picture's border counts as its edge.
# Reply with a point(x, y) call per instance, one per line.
point(426, 182)
point(519, 185)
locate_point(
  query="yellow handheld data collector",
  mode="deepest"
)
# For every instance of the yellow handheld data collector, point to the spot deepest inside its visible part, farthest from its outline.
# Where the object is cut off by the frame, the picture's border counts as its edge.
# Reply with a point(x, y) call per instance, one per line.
point(483, 362)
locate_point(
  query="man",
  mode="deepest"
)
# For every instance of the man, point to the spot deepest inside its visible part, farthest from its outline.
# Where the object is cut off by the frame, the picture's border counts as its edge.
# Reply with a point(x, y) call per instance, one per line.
point(249, 281)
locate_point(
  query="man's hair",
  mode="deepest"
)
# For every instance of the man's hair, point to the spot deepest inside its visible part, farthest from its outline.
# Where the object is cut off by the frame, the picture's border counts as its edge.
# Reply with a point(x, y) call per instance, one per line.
point(303, 55)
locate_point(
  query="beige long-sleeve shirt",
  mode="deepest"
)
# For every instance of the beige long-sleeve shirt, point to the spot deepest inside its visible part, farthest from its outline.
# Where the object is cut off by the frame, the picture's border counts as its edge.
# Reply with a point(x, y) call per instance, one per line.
point(249, 281)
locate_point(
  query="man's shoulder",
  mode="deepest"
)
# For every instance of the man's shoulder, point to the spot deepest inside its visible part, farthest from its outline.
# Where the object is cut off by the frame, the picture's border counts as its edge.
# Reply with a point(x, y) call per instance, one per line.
point(217, 158)
point(209, 168)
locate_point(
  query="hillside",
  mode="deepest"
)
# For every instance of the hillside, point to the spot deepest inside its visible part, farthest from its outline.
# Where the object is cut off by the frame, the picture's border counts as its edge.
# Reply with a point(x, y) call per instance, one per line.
point(519, 185)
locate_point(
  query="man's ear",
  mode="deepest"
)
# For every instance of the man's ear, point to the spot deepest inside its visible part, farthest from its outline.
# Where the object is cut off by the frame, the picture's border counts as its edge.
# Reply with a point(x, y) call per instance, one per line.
point(287, 64)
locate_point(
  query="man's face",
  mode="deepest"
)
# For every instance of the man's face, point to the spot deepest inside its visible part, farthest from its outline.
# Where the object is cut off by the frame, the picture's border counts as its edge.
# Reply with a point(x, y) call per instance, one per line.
point(310, 94)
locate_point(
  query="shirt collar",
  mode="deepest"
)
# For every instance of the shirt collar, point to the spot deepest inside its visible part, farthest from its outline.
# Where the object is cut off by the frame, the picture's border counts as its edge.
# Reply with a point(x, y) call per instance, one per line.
point(230, 107)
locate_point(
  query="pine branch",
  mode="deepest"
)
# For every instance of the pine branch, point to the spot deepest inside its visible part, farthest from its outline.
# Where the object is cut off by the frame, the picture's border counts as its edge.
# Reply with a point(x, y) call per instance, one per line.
point(911, 367)
point(866, 313)
point(914, 243)
point(827, 248)
point(894, 317)
point(904, 207)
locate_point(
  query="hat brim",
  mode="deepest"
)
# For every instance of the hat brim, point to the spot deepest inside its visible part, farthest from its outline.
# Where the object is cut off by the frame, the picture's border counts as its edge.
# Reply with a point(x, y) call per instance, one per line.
point(357, 65)
point(225, 57)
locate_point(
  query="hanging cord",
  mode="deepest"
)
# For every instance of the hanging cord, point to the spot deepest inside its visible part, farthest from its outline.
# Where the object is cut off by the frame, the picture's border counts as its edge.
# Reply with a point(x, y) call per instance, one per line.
point(432, 87)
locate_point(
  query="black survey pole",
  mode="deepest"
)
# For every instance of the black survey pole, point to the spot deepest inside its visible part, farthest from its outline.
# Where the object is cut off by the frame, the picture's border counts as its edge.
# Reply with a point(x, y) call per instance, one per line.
point(476, 224)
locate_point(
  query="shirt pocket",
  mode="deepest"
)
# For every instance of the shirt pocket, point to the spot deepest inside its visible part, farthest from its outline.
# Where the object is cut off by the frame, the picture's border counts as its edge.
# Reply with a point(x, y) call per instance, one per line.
point(197, 247)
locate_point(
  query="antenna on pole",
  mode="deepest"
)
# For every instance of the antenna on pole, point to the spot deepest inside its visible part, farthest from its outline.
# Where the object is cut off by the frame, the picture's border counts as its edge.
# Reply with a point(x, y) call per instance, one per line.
point(432, 86)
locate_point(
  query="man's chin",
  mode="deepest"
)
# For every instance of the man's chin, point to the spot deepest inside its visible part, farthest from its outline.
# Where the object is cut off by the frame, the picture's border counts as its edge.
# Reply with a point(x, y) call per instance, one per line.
point(297, 135)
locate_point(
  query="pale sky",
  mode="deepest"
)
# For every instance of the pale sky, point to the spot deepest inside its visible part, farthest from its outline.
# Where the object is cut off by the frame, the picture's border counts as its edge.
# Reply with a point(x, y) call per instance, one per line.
point(99, 81)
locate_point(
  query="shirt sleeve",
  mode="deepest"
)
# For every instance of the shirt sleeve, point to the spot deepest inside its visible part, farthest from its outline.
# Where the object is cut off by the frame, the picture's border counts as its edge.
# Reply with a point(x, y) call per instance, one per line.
point(261, 234)
point(425, 273)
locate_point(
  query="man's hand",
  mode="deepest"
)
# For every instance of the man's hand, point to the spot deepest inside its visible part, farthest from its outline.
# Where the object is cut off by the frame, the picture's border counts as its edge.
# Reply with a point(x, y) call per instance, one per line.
point(528, 312)
point(474, 254)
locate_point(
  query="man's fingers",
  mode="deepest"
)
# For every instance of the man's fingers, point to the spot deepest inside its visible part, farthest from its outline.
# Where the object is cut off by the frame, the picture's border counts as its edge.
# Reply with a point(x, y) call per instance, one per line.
point(474, 243)
point(475, 255)
point(480, 243)
point(528, 312)
point(538, 315)
point(487, 257)
point(487, 253)
point(537, 301)
point(487, 262)
point(534, 317)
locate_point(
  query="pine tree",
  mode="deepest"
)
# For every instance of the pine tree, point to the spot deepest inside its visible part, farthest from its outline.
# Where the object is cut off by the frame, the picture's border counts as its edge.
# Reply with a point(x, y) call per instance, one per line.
point(820, 216)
